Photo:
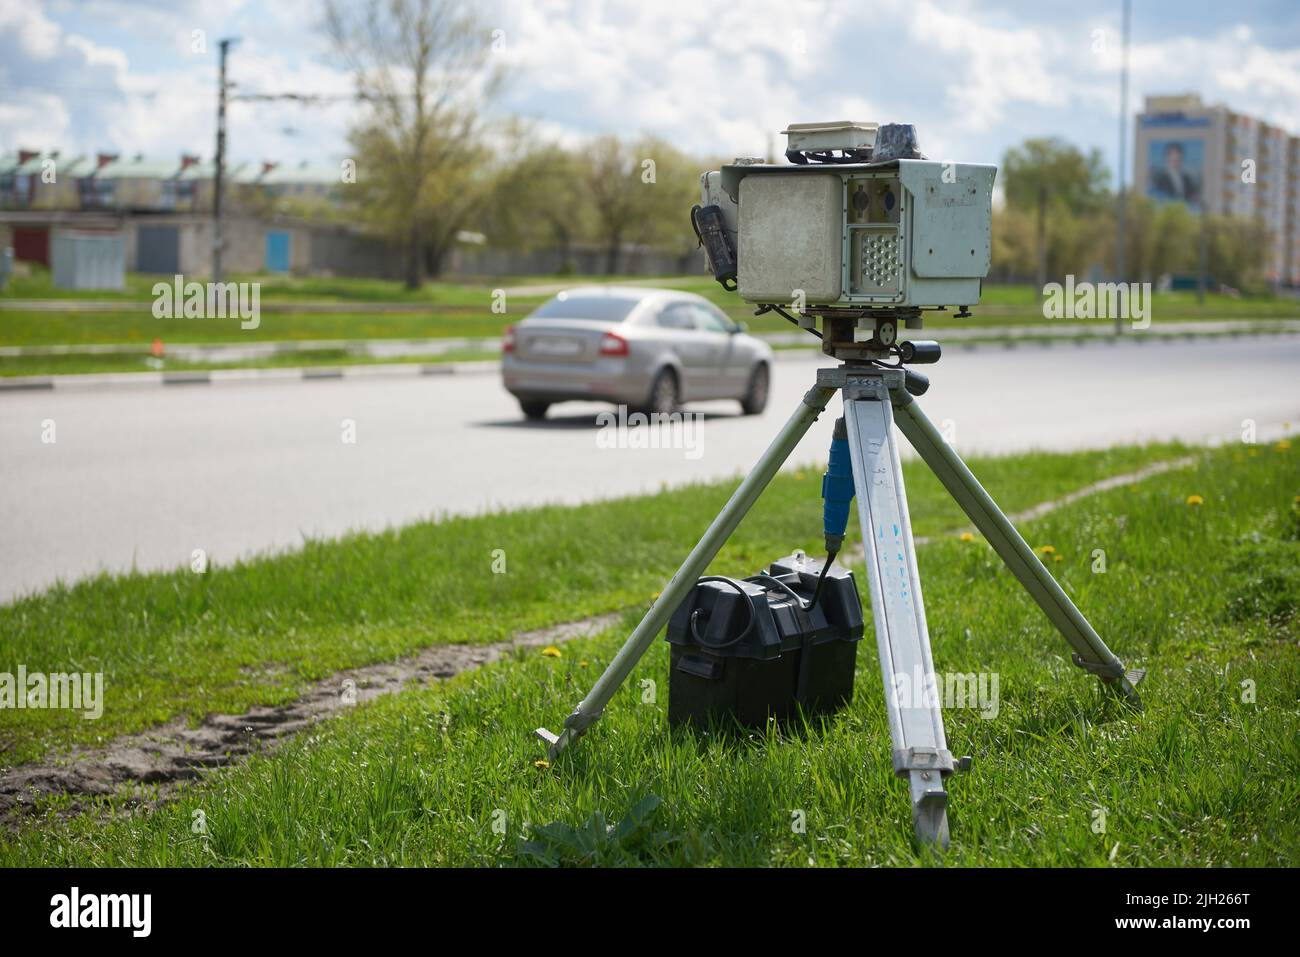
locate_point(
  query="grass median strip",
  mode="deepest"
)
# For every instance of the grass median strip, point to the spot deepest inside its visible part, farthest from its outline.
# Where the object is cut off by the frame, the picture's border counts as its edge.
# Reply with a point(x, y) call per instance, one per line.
point(1208, 774)
point(30, 328)
point(182, 645)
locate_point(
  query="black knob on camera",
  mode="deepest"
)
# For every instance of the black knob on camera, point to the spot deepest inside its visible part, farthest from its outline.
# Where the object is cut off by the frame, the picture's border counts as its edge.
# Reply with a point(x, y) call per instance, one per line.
point(919, 352)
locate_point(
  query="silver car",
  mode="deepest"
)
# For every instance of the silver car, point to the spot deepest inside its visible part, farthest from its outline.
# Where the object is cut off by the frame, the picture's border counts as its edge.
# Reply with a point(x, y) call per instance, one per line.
point(649, 349)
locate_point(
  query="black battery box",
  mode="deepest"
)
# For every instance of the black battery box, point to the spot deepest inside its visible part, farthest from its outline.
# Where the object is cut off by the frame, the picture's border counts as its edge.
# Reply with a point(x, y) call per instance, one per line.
point(750, 649)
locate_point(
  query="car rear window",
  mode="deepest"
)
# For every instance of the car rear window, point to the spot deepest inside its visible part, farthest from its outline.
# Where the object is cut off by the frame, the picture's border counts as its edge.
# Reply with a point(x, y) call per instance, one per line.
point(591, 308)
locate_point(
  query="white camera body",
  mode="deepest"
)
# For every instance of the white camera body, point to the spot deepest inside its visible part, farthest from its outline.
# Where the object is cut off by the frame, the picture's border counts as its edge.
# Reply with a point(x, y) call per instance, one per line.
point(900, 234)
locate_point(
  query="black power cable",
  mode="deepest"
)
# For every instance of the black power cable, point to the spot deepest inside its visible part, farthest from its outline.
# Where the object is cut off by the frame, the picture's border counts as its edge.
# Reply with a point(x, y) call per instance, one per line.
point(821, 579)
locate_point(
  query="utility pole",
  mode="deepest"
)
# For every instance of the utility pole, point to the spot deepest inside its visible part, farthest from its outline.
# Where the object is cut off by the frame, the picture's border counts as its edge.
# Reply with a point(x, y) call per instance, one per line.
point(1202, 251)
point(1123, 158)
point(219, 170)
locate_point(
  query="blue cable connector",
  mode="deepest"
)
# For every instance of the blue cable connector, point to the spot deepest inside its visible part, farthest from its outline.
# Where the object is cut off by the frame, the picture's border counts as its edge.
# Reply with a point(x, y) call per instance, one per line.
point(837, 489)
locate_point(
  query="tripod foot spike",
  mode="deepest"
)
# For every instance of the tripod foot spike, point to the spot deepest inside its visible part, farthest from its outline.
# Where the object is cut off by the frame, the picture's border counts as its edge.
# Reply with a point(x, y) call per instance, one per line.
point(555, 743)
point(1126, 686)
point(929, 812)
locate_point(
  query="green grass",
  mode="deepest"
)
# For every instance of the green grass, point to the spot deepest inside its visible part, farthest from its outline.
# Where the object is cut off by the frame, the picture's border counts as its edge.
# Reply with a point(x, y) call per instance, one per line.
point(23, 328)
point(1200, 778)
point(187, 644)
point(39, 284)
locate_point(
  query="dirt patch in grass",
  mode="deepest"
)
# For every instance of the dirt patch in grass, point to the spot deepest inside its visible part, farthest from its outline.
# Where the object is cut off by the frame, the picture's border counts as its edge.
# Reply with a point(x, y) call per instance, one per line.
point(159, 760)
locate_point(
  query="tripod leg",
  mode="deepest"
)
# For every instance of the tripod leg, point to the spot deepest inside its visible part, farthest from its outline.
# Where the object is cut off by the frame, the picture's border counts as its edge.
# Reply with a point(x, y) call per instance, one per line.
point(1091, 652)
point(591, 707)
point(915, 720)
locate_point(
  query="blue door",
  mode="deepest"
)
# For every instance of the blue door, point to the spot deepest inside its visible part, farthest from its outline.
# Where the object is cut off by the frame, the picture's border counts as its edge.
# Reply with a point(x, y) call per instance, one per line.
point(277, 251)
point(158, 250)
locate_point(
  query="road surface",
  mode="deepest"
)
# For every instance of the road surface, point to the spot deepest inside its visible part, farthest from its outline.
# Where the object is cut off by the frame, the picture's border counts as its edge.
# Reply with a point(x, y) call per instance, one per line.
point(141, 477)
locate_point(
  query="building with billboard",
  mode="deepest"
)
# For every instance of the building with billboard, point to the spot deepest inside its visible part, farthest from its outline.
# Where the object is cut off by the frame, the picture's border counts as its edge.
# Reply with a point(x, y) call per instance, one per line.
point(1226, 163)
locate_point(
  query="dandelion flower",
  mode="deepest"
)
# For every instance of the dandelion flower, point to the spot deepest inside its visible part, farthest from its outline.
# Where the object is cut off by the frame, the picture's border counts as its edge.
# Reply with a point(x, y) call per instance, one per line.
point(1283, 445)
point(542, 763)
point(967, 537)
point(582, 664)
point(1048, 549)
point(1056, 558)
point(550, 651)
point(1195, 500)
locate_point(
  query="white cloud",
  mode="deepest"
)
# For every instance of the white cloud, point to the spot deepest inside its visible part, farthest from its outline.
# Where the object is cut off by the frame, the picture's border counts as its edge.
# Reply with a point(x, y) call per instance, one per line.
point(73, 90)
point(34, 123)
point(717, 78)
point(96, 55)
point(996, 66)
point(37, 36)
point(713, 78)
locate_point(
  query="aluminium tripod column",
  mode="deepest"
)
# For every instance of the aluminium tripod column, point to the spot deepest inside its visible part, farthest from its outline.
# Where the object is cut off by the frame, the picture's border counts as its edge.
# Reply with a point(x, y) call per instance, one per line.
point(591, 707)
point(920, 749)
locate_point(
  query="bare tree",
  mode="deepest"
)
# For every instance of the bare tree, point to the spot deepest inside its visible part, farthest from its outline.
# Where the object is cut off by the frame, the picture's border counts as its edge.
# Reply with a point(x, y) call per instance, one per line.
point(537, 197)
point(422, 66)
point(639, 192)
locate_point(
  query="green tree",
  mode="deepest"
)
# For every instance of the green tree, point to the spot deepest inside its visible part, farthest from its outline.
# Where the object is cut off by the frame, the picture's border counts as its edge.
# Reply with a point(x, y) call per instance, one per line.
point(422, 66)
point(640, 192)
point(666, 203)
point(1052, 178)
point(537, 197)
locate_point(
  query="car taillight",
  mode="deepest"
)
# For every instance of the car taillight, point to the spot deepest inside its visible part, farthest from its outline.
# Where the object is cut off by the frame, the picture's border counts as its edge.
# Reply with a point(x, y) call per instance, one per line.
point(508, 340)
point(613, 345)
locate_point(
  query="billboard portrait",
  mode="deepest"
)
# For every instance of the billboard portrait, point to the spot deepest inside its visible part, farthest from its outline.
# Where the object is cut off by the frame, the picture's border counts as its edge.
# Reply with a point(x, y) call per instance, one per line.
point(1176, 171)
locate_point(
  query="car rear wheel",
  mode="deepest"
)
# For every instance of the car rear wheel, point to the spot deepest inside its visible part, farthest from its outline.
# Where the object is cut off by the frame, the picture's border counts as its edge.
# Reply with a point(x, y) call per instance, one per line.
point(663, 393)
point(755, 400)
point(536, 411)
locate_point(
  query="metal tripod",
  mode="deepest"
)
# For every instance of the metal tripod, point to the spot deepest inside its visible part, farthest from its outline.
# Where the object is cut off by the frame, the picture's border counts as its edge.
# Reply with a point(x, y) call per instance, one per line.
point(876, 397)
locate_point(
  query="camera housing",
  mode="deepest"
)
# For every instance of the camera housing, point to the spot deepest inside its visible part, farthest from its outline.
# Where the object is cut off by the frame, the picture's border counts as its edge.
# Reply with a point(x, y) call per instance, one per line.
point(858, 225)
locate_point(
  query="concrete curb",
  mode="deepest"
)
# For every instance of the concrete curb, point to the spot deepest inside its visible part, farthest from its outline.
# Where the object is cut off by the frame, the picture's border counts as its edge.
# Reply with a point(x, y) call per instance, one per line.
point(1076, 342)
point(237, 351)
point(114, 380)
point(287, 306)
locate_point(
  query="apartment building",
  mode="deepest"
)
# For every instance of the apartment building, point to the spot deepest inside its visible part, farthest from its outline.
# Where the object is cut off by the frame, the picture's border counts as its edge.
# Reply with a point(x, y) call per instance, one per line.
point(1223, 162)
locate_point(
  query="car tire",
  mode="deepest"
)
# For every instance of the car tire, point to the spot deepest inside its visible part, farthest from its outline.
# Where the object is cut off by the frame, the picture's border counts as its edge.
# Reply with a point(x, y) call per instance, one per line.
point(755, 400)
point(665, 396)
point(534, 411)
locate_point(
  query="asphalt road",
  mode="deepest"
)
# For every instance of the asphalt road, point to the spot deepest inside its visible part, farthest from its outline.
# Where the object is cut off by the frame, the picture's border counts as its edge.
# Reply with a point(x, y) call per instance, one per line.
point(140, 477)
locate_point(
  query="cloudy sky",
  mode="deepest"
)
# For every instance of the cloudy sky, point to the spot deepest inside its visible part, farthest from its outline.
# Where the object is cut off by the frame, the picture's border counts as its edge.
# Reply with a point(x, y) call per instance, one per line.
point(715, 76)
